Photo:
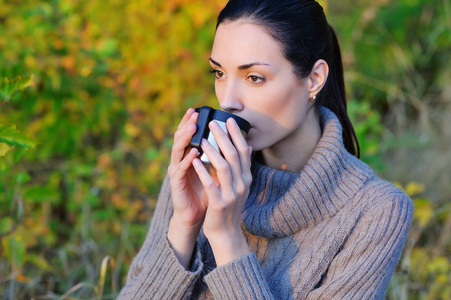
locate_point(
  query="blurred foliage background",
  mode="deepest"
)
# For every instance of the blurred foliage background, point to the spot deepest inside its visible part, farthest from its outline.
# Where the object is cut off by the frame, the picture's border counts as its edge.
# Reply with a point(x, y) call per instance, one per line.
point(111, 82)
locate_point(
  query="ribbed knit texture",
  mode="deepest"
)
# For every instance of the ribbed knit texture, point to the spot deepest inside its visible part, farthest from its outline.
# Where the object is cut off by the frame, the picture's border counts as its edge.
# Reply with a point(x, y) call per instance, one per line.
point(333, 231)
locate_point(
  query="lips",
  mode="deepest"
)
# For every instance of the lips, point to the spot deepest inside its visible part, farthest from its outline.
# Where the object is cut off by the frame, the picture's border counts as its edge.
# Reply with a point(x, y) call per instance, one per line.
point(250, 131)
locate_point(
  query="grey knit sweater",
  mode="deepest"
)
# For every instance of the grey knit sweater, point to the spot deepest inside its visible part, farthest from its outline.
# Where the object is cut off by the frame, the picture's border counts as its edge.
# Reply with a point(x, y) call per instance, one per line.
point(333, 231)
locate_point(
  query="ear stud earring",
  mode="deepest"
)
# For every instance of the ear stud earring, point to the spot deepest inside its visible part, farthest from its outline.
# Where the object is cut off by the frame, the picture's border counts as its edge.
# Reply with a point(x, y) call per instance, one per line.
point(312, 98)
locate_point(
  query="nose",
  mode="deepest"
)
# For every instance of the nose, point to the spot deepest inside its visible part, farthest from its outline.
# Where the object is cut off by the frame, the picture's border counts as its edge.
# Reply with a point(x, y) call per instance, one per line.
point(231, 98)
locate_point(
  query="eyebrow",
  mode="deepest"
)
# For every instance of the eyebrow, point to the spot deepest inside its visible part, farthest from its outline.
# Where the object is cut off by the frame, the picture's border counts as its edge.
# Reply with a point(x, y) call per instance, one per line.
point(242, 67)
point(216, 63)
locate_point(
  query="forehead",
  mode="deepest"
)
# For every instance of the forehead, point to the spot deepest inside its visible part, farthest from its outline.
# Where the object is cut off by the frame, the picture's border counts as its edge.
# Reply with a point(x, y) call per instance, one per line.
point(241, 42)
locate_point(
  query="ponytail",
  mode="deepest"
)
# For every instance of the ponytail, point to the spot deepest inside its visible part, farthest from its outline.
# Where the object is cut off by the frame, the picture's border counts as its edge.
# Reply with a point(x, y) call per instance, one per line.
point(335, 96)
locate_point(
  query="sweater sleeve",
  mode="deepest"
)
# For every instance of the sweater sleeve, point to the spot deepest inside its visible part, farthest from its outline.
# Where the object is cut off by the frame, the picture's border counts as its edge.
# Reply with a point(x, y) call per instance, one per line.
point(239, 279)
point(364, 266)
point(155, 272)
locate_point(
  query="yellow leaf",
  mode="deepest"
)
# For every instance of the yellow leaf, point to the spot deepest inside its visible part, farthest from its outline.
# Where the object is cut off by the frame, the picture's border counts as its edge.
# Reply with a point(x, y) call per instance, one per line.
point(4, 148)
point(132, 130)
point(117, 227)
point(439, 264)
point(85, 71)
point(442, 278)
point(414, 188)
point(58, 44)
point(118, 201)
point(154, 168)
point(423, 211)
point(31, 61)
point(22, 278)
point(68, 62)
point(323, 3)
point(398, 185)
point(104, 161)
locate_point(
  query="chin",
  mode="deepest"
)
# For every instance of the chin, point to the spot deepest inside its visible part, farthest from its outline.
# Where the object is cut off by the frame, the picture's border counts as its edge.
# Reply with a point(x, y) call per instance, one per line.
point(256, 146)
point(257, 142)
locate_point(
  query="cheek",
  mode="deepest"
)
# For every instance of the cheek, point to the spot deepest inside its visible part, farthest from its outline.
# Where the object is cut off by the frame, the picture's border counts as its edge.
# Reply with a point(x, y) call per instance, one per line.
point(284, 106)
point(219, 91)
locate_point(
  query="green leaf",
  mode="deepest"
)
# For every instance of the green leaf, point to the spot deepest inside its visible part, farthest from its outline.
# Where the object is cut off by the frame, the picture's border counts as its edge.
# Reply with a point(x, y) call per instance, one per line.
point(9, 135)
point(5, 225)
point(39, 261)
point(21, 178)
point(8, 88)
point(82, 169)
point(40, 194)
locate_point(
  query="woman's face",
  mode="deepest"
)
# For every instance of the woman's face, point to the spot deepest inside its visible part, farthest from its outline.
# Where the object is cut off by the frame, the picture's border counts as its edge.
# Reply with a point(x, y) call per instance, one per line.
point(256, 82)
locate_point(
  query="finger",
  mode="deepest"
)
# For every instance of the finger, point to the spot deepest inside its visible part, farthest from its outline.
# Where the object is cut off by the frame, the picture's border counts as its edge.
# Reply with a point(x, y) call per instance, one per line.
point(240, 144)
point(244, 151)
point(207, 181)
point(219, 163)
point(186, 117)
point(227, 148)
point(182, 127)
point(182, 139)
point(185, 164)
point(180, 144)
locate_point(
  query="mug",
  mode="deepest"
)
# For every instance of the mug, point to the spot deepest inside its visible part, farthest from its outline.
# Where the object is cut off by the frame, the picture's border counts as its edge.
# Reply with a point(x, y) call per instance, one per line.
point(208, 114)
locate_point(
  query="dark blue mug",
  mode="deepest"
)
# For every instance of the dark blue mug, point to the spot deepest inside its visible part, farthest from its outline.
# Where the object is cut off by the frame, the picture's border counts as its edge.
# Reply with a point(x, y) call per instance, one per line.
point(208, 114)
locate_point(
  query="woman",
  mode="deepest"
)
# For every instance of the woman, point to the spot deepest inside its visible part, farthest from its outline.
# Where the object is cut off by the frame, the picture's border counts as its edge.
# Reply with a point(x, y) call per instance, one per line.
point(290, 212)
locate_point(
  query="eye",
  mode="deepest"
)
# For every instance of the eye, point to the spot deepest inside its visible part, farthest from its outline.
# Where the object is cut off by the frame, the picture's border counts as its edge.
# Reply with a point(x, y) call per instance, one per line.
point(255, 79)
point(218, 74)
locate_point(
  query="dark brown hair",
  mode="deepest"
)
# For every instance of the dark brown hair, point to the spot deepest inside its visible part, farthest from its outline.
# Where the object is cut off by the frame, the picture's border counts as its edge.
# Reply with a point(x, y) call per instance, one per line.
point(301, 28)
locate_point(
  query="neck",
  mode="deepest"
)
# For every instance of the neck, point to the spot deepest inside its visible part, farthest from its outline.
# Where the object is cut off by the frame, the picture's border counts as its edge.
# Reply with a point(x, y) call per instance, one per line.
point(292, 153)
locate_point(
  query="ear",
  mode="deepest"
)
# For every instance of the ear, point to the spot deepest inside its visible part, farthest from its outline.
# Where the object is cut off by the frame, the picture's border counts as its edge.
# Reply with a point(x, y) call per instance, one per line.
point(318, 77)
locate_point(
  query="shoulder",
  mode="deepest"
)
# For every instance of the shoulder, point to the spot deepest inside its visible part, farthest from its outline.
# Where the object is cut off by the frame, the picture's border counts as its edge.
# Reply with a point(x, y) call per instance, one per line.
point(380, 196)
point(380, 214)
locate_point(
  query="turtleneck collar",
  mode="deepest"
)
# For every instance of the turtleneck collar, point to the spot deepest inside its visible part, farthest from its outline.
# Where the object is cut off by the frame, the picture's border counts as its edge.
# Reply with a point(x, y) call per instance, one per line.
point(281, 203)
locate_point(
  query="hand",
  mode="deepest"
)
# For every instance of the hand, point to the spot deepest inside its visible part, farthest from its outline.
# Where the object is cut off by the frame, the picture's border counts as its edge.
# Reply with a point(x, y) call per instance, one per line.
point(227, 191)
point(189, 201)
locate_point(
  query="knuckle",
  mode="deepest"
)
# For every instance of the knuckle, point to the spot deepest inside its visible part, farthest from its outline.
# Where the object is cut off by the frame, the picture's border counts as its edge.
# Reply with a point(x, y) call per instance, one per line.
point(210, 185)
point(220, 206)
point(247, 178)
point(177, 147)
point(171, 169)
point(240, 188)
point(172, 172)
point(176, 137)
point(233, 156)
point(243, 151)
point(178, 131)
point(222, 167)
point(229, 197)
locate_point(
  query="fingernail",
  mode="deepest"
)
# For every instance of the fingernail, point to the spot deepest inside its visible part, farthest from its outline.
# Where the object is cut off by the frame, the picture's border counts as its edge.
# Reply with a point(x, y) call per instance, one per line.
point(232, 122)
point(203, 142)
point(196, 162)
point(214, 124)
